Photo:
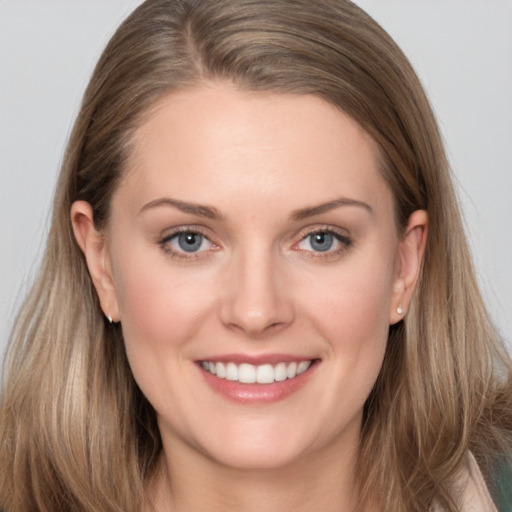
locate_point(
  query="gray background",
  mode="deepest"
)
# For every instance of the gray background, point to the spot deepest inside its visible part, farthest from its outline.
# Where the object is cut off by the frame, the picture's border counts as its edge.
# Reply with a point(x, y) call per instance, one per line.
point(462, 50)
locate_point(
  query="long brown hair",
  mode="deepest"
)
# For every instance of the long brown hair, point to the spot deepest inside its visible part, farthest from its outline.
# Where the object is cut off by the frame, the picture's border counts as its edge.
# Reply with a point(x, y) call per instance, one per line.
point(76, 434)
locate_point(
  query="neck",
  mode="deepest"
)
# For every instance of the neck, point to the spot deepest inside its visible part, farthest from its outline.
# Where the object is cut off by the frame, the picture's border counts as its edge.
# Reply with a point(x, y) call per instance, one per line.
point(190, 481)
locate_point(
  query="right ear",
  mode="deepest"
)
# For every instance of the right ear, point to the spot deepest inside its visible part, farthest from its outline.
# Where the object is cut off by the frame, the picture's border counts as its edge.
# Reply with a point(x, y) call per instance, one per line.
point(93, 245)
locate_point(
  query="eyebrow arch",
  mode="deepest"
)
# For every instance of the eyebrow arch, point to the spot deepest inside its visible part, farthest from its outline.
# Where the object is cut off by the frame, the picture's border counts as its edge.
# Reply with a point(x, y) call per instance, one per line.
point(195, 209)
point(310, 211)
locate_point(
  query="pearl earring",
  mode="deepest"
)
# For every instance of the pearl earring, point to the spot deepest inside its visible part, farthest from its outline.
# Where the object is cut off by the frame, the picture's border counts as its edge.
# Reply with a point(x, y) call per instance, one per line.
point(110, 318)
point(399, 310)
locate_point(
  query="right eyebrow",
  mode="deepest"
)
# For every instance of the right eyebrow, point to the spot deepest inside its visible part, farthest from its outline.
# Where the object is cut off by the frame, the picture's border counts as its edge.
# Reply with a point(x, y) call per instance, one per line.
point(200, 210)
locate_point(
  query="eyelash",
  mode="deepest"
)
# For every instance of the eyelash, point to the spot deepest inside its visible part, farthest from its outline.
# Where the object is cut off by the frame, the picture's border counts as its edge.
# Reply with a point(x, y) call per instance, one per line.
point(344, 241)
point(182, 255)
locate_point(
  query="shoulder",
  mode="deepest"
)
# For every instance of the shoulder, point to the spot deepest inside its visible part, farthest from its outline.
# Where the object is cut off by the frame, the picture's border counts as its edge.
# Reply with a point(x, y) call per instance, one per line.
point(470, 491)
point(502, 488)
point(476, 496)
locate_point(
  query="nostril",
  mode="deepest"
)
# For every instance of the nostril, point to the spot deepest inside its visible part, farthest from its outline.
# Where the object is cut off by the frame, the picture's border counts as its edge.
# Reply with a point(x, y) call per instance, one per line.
point(256, 330)
point(254, 298)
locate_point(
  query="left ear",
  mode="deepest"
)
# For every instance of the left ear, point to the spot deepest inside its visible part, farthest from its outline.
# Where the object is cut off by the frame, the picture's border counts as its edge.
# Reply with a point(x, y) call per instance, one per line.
point(411, 250)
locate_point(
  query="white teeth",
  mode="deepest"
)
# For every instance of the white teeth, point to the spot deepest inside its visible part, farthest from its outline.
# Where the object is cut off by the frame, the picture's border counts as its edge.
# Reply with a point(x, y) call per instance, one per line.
point(265, 374)
point(247, 373)
point(303, 366)
point(291, 371)
point(280, 372)
point(231, 371)
point(221, 370)
point(250, 374)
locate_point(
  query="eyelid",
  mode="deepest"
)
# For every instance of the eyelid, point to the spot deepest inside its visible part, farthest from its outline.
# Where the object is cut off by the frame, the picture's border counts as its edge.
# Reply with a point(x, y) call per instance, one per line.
point(339, 234)
point(164, 240)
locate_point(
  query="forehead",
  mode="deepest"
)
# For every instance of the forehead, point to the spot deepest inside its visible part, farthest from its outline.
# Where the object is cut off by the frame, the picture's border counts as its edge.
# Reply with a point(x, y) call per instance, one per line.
point(214, 141)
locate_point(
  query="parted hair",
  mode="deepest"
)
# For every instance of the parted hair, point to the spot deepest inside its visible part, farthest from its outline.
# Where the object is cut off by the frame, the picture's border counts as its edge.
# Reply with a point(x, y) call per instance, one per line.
point(76, 433)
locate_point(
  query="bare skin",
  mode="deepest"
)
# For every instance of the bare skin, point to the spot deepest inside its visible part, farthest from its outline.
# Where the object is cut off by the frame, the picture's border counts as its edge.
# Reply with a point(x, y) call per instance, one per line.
point(251, 227)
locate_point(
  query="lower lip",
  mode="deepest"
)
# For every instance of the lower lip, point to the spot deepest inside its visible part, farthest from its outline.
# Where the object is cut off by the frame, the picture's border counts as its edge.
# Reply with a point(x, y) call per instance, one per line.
point(257, 393)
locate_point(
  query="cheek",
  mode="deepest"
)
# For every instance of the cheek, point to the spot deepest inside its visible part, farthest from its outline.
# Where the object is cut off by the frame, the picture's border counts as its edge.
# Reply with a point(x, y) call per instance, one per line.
point(160, 304)
point(162, 311)
point(351, 311)
point(354, 298)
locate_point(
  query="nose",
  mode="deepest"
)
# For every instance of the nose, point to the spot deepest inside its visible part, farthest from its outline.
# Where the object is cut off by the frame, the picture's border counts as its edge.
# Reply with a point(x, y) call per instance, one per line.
point(256, 300)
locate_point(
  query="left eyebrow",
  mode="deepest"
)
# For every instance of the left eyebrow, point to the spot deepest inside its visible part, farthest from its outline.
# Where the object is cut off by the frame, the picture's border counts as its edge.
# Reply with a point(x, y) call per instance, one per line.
point(311, 211)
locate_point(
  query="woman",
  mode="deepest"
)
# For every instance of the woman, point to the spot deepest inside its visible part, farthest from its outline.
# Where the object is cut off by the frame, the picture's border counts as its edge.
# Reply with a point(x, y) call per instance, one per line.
point(256, 292)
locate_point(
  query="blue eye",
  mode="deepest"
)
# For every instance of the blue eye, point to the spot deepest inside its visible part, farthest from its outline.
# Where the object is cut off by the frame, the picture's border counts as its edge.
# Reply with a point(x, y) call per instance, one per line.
point(190, 242)
point(185, 242)
point(321, 242)
point(324, 241)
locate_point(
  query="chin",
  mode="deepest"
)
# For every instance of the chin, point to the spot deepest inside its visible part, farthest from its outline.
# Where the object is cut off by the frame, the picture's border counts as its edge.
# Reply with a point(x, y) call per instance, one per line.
point(255, 458)
point(255, 447)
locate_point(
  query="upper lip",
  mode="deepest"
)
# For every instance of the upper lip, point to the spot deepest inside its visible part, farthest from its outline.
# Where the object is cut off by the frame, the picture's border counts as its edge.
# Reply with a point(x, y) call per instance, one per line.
point(256, 360)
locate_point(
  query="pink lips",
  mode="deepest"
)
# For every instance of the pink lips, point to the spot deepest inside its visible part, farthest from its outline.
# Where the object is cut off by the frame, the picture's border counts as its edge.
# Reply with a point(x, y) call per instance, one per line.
point(256, 393)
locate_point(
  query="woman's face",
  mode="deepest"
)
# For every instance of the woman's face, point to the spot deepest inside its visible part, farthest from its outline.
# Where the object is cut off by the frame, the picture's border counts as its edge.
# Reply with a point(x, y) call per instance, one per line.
point(253, 237)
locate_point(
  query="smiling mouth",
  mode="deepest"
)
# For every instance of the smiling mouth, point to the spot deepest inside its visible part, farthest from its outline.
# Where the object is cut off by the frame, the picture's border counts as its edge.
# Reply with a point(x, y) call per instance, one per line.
point(256, 374)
